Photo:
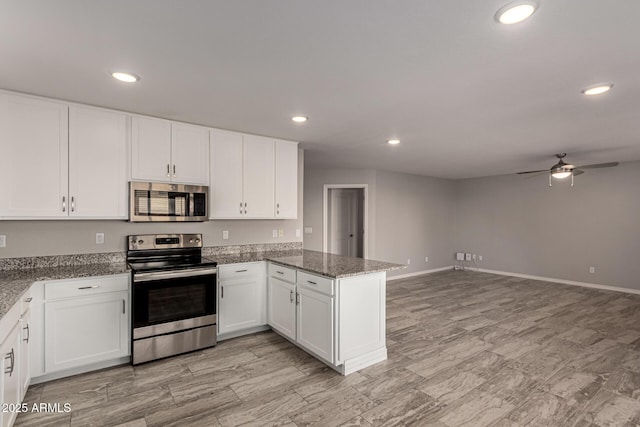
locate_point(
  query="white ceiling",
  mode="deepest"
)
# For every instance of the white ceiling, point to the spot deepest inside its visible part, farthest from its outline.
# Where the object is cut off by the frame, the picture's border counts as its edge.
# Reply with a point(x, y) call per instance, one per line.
point(467, 96)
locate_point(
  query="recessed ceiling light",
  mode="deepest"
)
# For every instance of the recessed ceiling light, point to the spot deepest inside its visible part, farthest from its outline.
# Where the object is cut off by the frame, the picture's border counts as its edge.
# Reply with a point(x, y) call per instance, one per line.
point(515, 12)
point(597, 89)
point(299, 119)
point(393, 141)
point(125, 77)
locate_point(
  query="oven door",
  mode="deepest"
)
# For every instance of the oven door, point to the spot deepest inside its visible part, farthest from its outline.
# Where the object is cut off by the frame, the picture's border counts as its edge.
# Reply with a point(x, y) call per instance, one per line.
point(170, 301)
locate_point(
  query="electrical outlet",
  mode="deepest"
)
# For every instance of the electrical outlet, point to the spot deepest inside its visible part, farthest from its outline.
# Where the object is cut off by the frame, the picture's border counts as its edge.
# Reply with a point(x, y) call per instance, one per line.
point(592, 270)
point(99, 238)
point(408, 261)
point(225, 234)
point(473, 256)
point(308, 230)
point(281, 233)
point(297, 232)
point(3, 241)
point(479, 257)
point(275, 233)
point(426, 259)
point(467, 257)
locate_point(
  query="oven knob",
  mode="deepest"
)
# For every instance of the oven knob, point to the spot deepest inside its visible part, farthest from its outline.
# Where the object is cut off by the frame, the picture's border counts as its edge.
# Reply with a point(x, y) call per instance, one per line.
point(197, 240)
point(190, 240)
point(140, 242)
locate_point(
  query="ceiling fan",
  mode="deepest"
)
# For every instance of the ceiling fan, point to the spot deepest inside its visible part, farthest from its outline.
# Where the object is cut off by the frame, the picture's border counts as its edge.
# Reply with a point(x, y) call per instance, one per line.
point(562, 170)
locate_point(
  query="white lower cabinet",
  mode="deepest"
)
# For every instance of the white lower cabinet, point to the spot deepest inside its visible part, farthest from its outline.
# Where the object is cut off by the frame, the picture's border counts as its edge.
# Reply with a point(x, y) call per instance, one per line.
point(340, 321)
point(86, 322)
point(10, 384)
point(282, 306)
point(242, 297)
point(315, 323)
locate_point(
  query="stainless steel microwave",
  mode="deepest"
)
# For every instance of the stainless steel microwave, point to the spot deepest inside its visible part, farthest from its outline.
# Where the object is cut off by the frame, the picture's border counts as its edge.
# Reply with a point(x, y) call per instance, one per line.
point(166, 202)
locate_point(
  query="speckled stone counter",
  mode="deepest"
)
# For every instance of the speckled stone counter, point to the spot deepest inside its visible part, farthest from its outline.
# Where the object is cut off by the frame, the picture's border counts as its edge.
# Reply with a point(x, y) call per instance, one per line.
point(14, 283)
point(336, 266)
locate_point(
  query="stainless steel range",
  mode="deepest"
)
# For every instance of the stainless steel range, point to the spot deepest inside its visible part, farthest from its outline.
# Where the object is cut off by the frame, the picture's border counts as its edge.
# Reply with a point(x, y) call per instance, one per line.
point(173, 295)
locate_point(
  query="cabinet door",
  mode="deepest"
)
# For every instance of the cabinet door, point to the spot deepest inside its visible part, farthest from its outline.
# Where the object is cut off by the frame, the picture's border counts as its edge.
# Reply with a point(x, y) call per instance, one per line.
point(10, 352)
point(242, 298)
point(33, 164)
point(258, 174)
point(150, 149)
point(97, 163)
point(81, 331)
point(281, 307)
point(189, 154)
point(25, 353)
point(225, 186)
point(315, 323)
point(286, 179)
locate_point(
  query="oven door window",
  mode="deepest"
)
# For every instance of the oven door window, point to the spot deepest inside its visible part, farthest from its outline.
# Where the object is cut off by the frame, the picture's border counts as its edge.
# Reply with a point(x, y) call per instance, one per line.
point(169, 300)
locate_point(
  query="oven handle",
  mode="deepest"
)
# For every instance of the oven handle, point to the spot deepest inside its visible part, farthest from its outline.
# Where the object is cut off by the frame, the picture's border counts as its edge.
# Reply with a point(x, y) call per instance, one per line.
point(161, 275)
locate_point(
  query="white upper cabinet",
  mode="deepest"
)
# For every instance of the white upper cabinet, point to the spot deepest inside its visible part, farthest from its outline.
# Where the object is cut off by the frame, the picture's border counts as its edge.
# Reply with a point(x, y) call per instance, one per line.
point(253, 177)
point(169, 152)
point(97, 163)
point(258, 177)
point(286, 170)
point(225, 186)
point(190, 154)
point(150, 149)
point(34, 160)
point(242, 176)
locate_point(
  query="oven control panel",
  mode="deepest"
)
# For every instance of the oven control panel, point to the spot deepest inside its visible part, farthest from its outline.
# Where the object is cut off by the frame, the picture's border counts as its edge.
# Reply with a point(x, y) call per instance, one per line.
point(164, 241)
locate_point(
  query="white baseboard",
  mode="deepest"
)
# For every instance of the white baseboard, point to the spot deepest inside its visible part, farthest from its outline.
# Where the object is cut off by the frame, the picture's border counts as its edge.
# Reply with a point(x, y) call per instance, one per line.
point(419, 273)
point(563, 281)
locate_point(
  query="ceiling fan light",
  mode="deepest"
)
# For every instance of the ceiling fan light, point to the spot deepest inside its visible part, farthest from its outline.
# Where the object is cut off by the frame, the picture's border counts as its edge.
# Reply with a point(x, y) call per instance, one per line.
point(561, 174)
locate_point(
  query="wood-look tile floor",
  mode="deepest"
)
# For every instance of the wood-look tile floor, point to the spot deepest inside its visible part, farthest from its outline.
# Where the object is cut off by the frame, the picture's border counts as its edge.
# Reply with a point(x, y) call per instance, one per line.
point(465, 349)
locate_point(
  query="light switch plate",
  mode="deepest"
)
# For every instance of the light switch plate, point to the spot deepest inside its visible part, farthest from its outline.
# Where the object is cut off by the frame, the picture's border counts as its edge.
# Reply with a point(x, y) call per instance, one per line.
point(99, 238)
point(308, 230)
point(275, 233)
point(281, 233)
point(297, 232)
point(225, 234)
point(3, 241)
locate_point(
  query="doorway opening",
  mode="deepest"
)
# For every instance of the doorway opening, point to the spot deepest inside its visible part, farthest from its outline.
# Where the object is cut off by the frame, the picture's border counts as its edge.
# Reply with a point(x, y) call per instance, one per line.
point(345, 219)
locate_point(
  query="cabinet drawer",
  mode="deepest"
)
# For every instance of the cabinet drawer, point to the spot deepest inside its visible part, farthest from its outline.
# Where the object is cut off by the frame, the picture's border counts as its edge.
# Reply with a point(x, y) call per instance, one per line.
point(238, 271)
point(282, 273)
point(318, 283)
point(85, 287)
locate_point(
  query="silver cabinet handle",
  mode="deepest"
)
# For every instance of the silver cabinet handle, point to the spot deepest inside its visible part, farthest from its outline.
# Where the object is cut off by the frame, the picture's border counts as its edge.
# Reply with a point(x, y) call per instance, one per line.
point(168, 169)
point(64, 204)
point(290, 296)
point(26, 328)
point(278, 209)
point(279, 272)
point(123, 306)
point(297, 298)
point(221, 292)
point(240, 207)
point(89, 287)
point(174, 171)
point(245, 207)
point(28, 299)
point(240, 271)
point(313, 283)
point(12, 357)
point(73, 204)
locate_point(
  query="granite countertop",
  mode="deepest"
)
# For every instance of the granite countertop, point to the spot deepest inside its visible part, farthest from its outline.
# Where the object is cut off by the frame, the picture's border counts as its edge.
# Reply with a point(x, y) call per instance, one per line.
point(14, 283)
point(335, 266)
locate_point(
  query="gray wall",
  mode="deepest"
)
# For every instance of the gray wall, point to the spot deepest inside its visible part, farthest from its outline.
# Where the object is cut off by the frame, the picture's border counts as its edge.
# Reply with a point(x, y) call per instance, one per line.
point(62, 237)
point(410, 216)
point(521, 225)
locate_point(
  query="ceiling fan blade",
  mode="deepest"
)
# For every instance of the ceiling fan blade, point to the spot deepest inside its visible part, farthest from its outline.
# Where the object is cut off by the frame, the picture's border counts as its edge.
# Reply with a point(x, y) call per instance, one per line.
point(599, 165)
point(543, 170)
point(577, 172)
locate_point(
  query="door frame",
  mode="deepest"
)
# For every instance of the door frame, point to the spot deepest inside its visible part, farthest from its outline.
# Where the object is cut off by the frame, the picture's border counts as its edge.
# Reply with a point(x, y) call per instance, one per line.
point(325, 215)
